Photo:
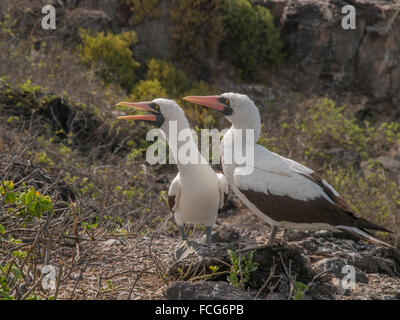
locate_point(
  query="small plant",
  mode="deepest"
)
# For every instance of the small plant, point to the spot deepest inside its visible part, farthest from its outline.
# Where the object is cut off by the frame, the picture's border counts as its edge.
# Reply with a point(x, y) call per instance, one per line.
point(34, 204)
point(242, 268)
point(299, 290)
point(196, 29)
point(251, 37)
point(142, 10)
point(29, 203)
point(148, 90)
point(171, 79)
point(4, 289)
point(214, 269)
point(110, 54)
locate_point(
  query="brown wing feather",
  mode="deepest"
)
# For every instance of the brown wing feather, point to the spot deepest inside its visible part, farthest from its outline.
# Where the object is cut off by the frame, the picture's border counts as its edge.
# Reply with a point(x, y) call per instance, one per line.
point(171, 202)
point(318, 210)
point(317, 179)
point(339, 201)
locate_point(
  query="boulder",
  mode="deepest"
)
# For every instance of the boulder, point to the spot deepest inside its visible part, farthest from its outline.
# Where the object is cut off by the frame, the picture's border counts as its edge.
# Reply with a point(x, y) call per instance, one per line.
point(365, 58)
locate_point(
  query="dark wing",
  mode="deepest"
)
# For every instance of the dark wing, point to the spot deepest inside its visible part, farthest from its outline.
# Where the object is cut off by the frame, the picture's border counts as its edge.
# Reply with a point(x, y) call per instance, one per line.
point(171, 202)
point(174, 192)
point(317, 210)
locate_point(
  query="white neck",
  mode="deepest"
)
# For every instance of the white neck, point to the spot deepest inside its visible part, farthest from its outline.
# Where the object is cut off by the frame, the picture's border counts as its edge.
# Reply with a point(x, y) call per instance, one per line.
point(175, 144)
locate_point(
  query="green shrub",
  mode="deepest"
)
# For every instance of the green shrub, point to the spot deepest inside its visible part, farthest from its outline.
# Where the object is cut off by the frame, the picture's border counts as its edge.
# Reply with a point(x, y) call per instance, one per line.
point(322, 125)
point(241, 269)
point(142, 10)
point(196, 30)
point(173, 80)
point(251, 37)
point(164, 80)
point(147, 90)
point(372, 195)
point(111, 55)
point(28, 203)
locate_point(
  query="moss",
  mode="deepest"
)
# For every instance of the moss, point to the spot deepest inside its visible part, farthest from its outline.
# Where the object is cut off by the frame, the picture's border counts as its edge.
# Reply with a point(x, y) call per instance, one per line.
point(111, 55)
point(251, 37)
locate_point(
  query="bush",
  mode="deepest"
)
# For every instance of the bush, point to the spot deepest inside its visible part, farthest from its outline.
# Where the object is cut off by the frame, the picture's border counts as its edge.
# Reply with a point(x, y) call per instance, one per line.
point(174, 81)
point(147, 90)
point(111, 55)
point(323, 126)
point(196, 31)
point(142, 10)
point(372, 195)
point(251, 37)
point(164, 80)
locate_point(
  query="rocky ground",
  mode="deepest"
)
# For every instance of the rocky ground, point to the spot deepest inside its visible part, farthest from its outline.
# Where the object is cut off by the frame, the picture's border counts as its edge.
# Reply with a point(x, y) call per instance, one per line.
point(146, 268)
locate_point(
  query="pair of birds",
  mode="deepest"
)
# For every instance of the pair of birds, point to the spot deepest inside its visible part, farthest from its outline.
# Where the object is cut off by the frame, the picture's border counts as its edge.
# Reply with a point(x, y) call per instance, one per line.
point(282, 192)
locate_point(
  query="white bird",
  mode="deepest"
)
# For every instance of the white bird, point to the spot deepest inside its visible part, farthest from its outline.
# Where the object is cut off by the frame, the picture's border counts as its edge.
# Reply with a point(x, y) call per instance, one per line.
point(197, 192)
point(282, 192)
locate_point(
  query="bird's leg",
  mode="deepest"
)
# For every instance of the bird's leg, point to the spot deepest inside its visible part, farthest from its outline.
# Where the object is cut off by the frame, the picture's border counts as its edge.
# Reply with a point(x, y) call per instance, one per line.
point(208, 234)
point(272, 236)
point(182, 232)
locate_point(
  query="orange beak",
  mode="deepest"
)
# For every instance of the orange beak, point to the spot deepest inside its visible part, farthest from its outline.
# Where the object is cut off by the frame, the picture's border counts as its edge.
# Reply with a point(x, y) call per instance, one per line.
point(213, 102)
point(146, 105)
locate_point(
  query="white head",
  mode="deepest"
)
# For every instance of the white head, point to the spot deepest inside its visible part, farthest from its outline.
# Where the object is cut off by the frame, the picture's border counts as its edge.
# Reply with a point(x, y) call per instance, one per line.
point(239, 109)
point(162, 111)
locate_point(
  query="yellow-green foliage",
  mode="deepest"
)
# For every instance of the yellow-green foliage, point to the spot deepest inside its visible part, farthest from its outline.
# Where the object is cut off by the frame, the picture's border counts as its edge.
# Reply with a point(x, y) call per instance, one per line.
point(111, 55)
point(251, 37)
point(147, 90)
point(173, 80)
point(373, 195)
point(165, 81)
point(143, 9)
point(196, 25)
point(28, 203)
point(7, 26)
point(321, 125)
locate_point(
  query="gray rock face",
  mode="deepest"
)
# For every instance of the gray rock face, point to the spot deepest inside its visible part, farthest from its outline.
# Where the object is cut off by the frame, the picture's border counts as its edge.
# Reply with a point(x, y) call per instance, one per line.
point(205, 290)
point(366, 58)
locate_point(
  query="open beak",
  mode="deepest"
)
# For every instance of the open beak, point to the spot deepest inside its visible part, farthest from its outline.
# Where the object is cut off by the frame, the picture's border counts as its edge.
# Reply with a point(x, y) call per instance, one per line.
point(146, 106)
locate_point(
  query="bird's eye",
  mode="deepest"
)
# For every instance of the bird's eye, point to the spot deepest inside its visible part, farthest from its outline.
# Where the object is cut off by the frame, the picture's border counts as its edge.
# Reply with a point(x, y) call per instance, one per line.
point(226, 102)
point(156, 106)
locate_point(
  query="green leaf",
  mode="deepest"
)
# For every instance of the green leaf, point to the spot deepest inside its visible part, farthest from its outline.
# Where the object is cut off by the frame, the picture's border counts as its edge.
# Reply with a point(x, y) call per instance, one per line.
point(299, 289)
point(16, 272)
point(213, 269)
point(10, 197)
